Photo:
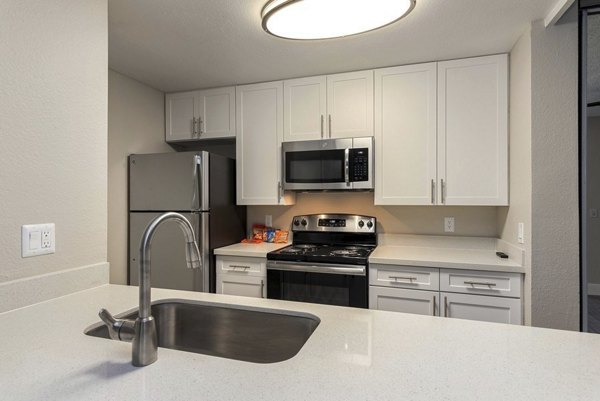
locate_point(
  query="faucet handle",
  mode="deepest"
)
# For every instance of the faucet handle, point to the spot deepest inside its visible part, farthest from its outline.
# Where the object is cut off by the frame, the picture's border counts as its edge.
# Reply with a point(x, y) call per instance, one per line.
point(118, 329)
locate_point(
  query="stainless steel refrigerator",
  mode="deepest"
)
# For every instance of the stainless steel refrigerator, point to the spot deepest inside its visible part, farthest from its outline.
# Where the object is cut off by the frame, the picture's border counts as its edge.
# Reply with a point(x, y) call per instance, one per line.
point(199, 185)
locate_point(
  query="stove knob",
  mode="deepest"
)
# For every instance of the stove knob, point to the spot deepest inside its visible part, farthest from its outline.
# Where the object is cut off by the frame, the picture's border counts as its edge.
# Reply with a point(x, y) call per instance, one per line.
point(370, 224)
point(296, 222)
point(304, 222)
point(361, 224)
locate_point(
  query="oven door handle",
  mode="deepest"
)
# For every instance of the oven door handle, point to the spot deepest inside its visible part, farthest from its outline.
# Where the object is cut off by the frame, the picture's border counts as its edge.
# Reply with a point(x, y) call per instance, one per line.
point(317, 268)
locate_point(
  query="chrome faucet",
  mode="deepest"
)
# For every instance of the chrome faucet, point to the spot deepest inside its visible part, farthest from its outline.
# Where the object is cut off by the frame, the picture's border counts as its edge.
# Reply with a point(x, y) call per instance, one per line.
point(142, 331)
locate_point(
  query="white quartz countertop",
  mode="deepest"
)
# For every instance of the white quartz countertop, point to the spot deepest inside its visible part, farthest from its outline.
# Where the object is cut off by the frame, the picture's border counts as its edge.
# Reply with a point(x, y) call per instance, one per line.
point(251, 250)
point(471, 259)
point(354, 354)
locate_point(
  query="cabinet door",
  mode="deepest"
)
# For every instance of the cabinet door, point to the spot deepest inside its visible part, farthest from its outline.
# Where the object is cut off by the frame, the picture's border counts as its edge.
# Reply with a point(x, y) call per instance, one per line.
point(180, 109)
point(473, 131)
point(405, 135)
point(402, 300)
point(259, 131)
point(245, 286)
point(216, 113)
point(481, 307)
point(305, 108)
point(350, 104)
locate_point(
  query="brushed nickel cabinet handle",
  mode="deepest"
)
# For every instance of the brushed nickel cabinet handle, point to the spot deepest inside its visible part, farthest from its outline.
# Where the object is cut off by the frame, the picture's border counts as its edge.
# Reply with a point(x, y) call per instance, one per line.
point(432, 191)
point(434, 305)
point(193, 126)
point(480, 283)
point(443, 188)
point(330, 133)
point(396, 278)
point(445, 306)
point(240, 267)
point(262, 288)
point(322, 126)
point(200, 122)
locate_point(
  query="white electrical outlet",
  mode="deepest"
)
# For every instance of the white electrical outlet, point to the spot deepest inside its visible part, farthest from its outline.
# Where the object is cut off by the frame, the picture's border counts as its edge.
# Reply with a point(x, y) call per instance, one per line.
point(268, 220)
point(449, 224)
point(521, 233)
point(37, 239)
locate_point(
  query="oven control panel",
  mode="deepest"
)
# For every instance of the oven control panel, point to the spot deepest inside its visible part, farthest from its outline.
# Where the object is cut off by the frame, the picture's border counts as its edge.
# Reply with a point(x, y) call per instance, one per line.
point(335, 223)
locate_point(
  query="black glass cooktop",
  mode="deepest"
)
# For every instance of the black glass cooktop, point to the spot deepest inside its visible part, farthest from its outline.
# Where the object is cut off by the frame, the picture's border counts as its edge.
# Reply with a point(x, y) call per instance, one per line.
point(348, 254)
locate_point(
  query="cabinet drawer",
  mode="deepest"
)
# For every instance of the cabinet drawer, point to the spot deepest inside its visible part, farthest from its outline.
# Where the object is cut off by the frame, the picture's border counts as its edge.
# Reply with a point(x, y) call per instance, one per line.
point(241, 265)
point(402, 300)
point(482, 308)
point(422, 278)
point(483, 283)
point(244, 286)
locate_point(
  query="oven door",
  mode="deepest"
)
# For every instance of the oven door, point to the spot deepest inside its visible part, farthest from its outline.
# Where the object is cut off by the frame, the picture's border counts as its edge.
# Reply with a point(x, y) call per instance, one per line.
point(331, 284)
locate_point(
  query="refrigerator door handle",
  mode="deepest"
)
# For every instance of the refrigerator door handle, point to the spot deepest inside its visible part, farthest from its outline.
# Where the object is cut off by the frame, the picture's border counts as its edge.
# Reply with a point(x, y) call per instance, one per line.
point(204, 247)
point(195, 184)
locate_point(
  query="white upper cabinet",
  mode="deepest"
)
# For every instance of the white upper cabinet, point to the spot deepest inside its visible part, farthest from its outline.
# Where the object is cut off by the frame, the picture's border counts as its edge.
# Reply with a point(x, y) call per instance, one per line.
point(405, 135)
point(259, 131)
point(333, 106)
point(204, 114)
point(350, 104)
point(217, 113)
point(473, 131)
point(305, 104)
point(441, 133)
point(180, 116)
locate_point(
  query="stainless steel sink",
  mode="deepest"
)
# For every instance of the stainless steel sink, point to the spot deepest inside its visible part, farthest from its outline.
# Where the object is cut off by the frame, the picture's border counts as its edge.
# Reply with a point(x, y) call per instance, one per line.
point(246, 334)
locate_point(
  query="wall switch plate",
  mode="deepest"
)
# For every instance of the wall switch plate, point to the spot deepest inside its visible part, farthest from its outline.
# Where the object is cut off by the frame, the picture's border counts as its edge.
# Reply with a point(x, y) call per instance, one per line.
point(268, 220)
point(37, 239)
point(449, 224)
point(521, 233)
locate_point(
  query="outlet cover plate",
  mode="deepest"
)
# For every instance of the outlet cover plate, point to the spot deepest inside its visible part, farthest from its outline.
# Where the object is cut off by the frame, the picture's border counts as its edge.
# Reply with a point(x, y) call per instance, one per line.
point(449, 224)
point(37, 239)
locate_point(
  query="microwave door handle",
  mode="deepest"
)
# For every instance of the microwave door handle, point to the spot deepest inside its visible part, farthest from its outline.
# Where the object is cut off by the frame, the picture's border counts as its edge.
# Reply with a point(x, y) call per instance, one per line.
point(347, 166)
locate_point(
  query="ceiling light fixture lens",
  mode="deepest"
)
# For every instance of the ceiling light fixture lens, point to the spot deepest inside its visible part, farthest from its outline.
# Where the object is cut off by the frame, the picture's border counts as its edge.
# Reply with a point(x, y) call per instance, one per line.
point(325, 19)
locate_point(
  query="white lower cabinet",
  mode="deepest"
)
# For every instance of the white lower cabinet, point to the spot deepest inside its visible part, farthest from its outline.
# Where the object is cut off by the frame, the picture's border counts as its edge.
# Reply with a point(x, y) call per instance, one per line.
point(481, 307)
point(243, 276)
point(402, 300)
point(447, 293)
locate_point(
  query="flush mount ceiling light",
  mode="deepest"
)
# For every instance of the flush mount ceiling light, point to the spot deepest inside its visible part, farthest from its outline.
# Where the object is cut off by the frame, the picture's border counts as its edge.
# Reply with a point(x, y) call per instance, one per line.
point(325, 19)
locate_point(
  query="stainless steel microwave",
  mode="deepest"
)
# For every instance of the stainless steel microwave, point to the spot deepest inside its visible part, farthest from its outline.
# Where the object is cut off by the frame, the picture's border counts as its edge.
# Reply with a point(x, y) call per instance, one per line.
point(328, 164)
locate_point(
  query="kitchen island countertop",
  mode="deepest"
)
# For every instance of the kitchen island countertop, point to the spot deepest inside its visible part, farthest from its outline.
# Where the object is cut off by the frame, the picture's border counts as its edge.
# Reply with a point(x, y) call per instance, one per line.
point(354, 354)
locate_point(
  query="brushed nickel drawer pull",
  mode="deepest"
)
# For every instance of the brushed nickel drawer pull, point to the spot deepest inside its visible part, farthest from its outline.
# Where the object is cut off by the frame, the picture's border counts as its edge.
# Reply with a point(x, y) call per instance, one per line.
point(396, 278)
point(434, 305)
point(473, 283)
point(240, 266)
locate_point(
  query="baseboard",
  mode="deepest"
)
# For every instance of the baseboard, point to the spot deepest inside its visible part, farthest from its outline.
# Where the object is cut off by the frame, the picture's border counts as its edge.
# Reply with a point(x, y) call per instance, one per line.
point(31, 290)
point(593, 289)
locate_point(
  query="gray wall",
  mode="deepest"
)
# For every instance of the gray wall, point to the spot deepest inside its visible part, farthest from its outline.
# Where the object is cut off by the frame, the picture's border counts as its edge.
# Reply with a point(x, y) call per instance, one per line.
point(555, 226)
point(53, 79)
point(136, 121)
point(520, 160)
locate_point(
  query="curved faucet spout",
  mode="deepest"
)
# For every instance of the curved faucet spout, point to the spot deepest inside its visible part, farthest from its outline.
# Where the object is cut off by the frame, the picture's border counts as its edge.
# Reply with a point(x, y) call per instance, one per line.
point(142, 332)
point(192, 254)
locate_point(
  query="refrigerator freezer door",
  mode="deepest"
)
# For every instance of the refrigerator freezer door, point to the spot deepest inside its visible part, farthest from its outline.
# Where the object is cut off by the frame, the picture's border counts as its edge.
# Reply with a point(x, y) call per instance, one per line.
point(164, 182)
point(167, 254)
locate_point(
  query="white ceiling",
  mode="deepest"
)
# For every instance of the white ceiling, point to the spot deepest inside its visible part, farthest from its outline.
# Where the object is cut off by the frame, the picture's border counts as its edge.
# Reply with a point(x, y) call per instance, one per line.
point(188, 44)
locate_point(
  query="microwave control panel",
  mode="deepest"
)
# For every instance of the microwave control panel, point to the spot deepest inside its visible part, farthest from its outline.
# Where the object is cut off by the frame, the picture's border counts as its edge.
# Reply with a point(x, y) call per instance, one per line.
point(359, 164)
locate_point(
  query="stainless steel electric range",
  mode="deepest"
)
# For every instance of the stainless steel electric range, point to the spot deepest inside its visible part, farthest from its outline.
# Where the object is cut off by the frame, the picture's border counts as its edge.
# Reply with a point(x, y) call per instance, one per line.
point(327, 262)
